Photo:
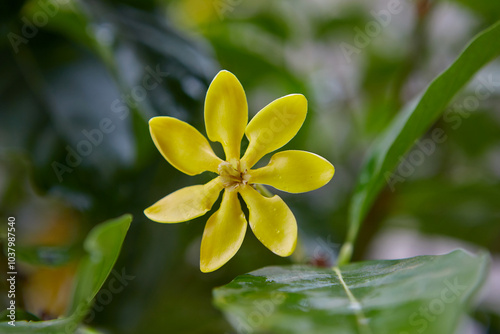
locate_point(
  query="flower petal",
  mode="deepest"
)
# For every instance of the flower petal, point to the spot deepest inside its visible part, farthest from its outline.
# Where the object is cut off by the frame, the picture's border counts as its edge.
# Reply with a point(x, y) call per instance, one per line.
point(271, 221)
point(183, 146)
point(226, 113)
point(274, 126)
point(224, 233)
point(294, 172)
point(186, 203)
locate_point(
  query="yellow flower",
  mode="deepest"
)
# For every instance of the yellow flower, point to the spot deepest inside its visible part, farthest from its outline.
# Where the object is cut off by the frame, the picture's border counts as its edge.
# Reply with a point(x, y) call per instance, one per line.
point(226, 116)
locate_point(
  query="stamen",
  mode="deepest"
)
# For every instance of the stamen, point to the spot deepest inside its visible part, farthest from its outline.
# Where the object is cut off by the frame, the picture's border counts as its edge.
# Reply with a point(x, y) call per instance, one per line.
point(230, 175)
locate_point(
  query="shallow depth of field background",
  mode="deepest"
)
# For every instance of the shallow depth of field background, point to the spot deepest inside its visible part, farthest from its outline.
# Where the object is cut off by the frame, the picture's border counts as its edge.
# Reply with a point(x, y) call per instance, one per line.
point(84, 67)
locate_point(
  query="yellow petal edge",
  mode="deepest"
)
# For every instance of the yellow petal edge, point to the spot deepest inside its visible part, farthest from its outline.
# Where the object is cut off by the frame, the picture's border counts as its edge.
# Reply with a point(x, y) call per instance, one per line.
point(223, 234)
point(272, 222)
point(183, 146)
point(294, 172)
point(186, 203)
point(274, 126)
point(226, 113)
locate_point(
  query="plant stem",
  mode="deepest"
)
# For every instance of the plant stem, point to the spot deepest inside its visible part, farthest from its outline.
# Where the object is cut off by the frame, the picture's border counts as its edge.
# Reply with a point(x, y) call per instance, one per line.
point(263, 190)
point(345, 254)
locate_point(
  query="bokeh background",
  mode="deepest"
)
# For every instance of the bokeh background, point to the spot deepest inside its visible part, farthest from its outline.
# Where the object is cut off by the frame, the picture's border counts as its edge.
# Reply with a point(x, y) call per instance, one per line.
point(70, 69)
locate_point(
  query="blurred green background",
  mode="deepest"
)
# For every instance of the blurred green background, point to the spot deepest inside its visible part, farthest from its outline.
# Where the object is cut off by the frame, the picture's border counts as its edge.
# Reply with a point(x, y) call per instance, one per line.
point(73, 69)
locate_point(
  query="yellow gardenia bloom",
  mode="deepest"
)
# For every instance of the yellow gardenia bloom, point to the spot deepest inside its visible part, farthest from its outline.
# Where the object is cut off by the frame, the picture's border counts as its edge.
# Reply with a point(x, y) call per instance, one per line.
point(226, 116)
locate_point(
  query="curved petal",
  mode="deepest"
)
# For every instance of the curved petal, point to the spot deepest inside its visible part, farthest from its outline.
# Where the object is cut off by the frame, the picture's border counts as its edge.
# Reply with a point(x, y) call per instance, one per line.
point(186, 203)
point(224, 233)
point(226, 113)
point(183, 146)
point(294, 172)
point(271, 221)
point(274, 126)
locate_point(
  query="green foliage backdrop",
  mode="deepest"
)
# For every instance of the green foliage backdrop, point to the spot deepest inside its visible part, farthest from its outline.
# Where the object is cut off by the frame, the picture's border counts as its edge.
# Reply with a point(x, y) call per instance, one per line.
point(81, 79)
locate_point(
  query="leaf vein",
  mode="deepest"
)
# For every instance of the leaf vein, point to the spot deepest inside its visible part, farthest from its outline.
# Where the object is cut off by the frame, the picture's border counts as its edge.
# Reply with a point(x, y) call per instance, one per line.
point(361, 319)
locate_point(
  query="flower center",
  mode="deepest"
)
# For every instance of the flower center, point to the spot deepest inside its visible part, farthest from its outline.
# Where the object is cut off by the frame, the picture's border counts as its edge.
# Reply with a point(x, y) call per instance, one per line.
point(231, 176)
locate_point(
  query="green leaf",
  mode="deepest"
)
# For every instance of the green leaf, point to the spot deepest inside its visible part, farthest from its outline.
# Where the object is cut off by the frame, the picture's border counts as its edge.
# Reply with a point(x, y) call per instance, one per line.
point(103, 245)
point(425, 294)
point(411, 124)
